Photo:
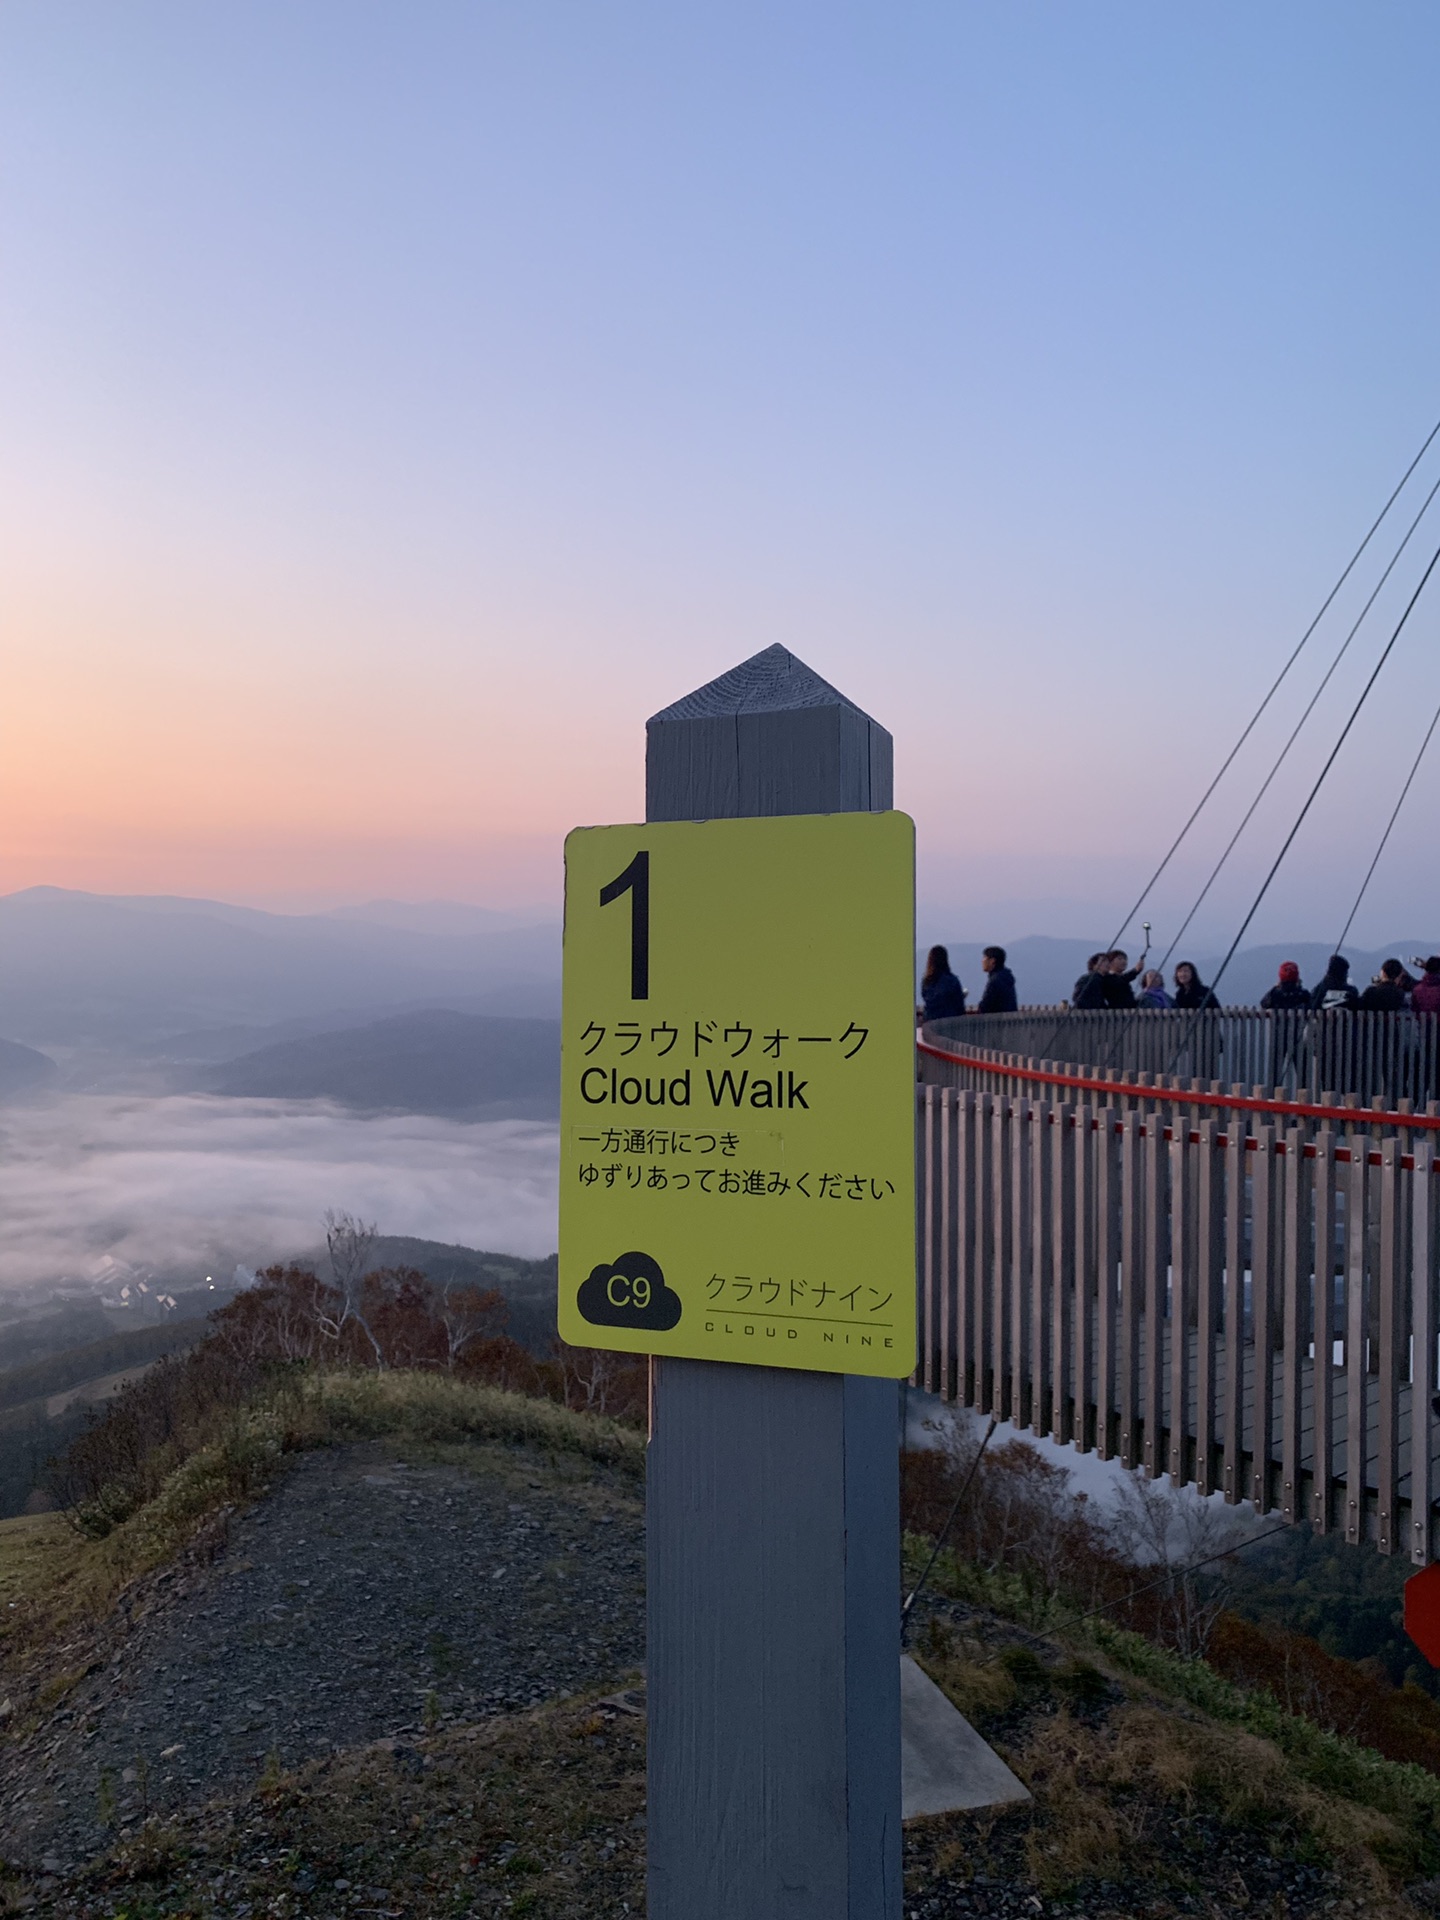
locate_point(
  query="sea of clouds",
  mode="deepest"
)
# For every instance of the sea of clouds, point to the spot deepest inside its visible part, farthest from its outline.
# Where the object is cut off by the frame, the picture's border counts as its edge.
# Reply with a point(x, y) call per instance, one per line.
point(189, 1182)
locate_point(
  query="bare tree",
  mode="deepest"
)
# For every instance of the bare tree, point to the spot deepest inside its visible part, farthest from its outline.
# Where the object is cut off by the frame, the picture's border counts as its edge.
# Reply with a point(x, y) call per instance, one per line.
point(1175, 1530)
point(469, 1313)
point(351, 1245)
point(590, 1375)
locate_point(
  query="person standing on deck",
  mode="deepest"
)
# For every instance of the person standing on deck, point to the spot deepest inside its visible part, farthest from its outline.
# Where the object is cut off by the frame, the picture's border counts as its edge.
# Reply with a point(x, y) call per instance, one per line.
point(941, 994)
point(1287, 995)
point(999, 994)
point(1386, 992)
point(1335, 993)
point(1426, 997)
point(1089, 994)
point(1191, 992)
point(1152, 992)
point(1118, 978)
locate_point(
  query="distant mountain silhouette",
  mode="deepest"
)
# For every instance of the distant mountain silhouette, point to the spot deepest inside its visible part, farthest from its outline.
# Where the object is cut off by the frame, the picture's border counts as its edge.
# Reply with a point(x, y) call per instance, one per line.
point(23, 1071)
point(84, 969)
point(433, 1061)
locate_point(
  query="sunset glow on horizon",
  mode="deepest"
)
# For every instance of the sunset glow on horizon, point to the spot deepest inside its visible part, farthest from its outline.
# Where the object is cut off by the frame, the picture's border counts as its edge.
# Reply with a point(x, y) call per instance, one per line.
point(401, 405)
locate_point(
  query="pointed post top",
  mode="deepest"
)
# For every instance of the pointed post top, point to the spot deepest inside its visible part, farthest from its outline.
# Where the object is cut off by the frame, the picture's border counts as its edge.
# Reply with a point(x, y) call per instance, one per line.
point(768, 737)
point(773, 681)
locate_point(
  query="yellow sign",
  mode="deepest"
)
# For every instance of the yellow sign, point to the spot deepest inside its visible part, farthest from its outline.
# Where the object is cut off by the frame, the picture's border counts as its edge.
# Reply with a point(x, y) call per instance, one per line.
point(738, 1093)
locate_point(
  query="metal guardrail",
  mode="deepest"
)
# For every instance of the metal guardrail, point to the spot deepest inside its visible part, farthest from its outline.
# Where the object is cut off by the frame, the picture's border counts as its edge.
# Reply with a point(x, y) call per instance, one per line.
point(1247, 1305)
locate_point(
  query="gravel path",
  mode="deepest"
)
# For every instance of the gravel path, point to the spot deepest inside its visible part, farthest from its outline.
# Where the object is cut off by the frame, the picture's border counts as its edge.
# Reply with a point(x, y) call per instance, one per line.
point(361, 1598)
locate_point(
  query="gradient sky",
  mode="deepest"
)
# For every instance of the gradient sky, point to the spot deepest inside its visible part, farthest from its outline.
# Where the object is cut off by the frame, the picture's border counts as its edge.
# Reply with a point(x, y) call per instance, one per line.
point(399, 402)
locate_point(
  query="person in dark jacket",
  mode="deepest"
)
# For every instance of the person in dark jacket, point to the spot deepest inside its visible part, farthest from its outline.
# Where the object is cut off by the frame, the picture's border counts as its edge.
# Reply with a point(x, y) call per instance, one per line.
point(999, 994)
point(1335, 993)
point(1089, 994)
point(1386, 992)
point(1191, 992)
point(1426, 997)
point(1119, 977)
point(1287, 995)
point(941, 994)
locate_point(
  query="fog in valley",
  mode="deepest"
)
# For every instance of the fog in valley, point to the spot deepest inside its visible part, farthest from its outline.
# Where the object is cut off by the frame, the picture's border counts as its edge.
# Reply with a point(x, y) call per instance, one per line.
point(187, 1185)
point(188, 1086)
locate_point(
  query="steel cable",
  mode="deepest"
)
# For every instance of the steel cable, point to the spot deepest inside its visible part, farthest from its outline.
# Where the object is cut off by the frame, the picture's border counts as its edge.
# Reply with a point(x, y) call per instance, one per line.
point(1310, 708)
point(1389, 829)
point(1255, 718)
point(1311, 797)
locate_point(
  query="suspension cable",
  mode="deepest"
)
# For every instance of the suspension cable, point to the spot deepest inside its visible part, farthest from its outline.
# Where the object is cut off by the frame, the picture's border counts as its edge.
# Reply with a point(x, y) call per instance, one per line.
point(1334, 755)
point(1284, 751)
point(1254, 720)
point(1389, 828)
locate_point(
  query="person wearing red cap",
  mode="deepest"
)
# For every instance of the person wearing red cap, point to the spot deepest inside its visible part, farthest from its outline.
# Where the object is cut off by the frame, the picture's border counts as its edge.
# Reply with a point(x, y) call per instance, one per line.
point(1287, 992)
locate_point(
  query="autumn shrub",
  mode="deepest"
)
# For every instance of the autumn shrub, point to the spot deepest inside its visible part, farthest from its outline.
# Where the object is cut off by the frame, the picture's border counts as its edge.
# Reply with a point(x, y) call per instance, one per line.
point(1345, 1696)
point(392, 1320)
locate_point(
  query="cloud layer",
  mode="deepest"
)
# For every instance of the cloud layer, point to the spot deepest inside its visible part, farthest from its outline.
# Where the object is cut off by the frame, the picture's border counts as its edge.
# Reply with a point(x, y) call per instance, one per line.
point(188, 1182)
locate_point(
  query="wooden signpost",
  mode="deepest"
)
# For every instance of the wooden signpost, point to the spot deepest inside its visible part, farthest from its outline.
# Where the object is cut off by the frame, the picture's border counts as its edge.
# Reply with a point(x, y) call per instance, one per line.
point(738, 1186)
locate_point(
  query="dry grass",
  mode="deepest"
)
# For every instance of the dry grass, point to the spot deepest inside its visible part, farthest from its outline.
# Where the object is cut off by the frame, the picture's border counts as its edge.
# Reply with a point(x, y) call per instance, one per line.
point(434, 1407)
point(1132, 1778)
point(540, 1813)
point(38, 1554)
point(57, 1582)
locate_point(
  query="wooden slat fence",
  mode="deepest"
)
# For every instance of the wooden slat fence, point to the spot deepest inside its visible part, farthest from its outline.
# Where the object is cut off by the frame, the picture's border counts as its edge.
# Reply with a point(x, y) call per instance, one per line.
point(1393, 1058)
point(1249, 1307)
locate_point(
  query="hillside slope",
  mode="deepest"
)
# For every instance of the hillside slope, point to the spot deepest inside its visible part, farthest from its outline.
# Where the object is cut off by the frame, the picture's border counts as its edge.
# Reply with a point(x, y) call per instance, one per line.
point(402, 1683)
point(433, 1061)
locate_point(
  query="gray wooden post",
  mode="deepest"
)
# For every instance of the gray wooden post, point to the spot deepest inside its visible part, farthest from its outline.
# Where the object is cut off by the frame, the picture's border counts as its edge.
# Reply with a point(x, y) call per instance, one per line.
point(773, 1670)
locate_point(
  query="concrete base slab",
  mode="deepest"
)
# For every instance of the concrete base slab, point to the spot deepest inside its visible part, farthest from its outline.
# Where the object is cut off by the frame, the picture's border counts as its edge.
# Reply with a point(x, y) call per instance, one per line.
point(945, 1767)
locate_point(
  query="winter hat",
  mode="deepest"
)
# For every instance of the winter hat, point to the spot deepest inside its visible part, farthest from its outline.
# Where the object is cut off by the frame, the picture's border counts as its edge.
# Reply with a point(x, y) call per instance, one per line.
point(1289, 972)
point(1432, 965)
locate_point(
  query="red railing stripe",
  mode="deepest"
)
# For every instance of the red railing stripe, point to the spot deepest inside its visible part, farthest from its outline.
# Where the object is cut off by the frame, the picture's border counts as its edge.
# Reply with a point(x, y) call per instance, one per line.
point(1241, 1103)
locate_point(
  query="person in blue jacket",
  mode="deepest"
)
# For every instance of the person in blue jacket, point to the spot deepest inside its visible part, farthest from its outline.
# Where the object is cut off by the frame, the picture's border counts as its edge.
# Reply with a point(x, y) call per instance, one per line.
point(941, 994)
point(999, 994)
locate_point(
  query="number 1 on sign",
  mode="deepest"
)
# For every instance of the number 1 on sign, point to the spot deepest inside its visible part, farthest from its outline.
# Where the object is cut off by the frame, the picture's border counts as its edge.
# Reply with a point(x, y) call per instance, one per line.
point(635, 881)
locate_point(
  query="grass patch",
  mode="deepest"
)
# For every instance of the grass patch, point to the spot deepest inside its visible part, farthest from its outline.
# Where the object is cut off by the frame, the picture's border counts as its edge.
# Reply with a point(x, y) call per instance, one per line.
point(52, 1579)
point(38, 1553)
point(432, 1409)
point(541, 1812)
point(1184, 1734)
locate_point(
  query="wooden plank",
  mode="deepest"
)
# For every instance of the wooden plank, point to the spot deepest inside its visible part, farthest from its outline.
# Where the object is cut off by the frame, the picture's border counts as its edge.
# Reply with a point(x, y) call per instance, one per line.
point(1356, 1383)
point(1132, 1262)
point(1037, 1333)
point(929, 1188)
point(967, 1229)
point(953, 1300)
point(1088, 1432)
point(1107, 1237)
point(1017, 1394)
point(1155, 1256)
point(1182, 1297)
point(1233, 1433)
point(1002, 1132)
point(1262, 1309)
point(986, 1250)
point(1062, 1273)
point(772, 1505)
point(1424, 1332)
point(1393, 1316)
point(1209, 1190)
point(1322, 1507)
point(1296, 1269)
